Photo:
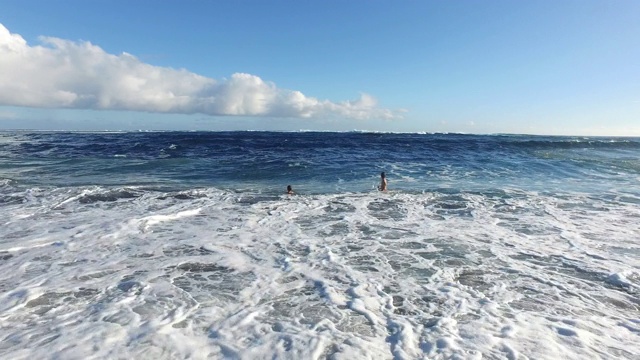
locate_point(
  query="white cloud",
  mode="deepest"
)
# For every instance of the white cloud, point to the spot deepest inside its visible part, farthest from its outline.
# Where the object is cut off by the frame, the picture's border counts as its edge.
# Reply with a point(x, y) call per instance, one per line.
point(67, 74)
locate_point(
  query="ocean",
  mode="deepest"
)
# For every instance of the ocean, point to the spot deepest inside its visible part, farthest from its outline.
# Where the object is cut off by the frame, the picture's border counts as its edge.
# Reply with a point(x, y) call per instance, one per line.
point(185, 245)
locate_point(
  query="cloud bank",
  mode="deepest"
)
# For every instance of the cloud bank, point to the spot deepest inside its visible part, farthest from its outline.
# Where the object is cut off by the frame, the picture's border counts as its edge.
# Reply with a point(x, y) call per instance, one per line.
point(67, 74)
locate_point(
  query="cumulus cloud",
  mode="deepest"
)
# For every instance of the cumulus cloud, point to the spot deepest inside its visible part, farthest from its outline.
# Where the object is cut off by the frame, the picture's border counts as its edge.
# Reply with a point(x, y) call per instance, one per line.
point(67, 74)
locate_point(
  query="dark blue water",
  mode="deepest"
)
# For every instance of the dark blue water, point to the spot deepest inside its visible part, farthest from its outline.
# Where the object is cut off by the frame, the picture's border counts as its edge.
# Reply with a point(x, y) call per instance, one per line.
point(319, 162)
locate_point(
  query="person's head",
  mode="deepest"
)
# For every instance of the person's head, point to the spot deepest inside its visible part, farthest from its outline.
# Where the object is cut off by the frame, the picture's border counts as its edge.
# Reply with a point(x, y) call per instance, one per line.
point(382, 175)
point(289, 189)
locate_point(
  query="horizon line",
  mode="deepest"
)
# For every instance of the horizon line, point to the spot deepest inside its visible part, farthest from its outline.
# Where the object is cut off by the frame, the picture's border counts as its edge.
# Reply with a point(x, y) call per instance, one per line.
point(317, 131)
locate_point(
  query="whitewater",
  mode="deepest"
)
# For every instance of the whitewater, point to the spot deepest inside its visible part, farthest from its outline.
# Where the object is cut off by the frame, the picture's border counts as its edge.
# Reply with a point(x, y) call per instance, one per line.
point(172, 245)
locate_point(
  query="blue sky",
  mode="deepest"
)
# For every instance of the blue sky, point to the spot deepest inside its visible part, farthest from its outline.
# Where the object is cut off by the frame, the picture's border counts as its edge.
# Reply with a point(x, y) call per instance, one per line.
point(537, 67)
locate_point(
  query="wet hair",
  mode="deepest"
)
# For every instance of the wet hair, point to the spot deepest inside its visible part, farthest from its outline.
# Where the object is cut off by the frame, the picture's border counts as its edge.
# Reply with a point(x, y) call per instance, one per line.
point(382, 174)
point(289, 188)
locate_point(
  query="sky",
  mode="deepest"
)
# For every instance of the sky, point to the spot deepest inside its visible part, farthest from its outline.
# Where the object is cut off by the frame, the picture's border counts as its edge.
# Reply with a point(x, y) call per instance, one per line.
point(527, 67)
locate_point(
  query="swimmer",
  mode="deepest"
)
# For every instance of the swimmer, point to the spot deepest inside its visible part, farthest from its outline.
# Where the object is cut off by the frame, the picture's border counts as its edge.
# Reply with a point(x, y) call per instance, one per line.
point(383, 182)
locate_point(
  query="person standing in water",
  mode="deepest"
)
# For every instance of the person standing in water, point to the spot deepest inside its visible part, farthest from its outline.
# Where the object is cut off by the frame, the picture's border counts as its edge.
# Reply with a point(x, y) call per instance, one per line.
point(383, 182)
point(290, 190)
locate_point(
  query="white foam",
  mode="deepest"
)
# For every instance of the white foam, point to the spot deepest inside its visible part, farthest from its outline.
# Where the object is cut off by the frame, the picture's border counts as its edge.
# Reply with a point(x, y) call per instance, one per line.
point(397, 275)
